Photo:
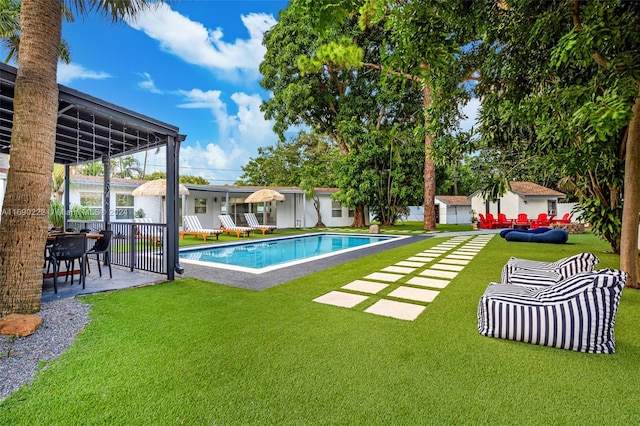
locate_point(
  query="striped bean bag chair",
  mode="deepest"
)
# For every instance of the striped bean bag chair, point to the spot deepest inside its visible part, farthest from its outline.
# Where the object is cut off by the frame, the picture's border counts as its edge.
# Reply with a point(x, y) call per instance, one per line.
point(542, 274)
point(578, 313)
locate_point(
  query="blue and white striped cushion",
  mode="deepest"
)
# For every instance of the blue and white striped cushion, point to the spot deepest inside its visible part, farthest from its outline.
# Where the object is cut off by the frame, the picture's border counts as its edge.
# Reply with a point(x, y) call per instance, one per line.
point(534, 277)
point(578, 313)
point(542, 273)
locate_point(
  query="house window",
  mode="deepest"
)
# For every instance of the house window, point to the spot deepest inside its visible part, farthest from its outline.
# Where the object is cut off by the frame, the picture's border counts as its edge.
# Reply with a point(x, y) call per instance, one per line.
point(336, 209)
point(93, 200)
point(352, 213)
point(552, 208)
point(124, 207)
point(200, 205)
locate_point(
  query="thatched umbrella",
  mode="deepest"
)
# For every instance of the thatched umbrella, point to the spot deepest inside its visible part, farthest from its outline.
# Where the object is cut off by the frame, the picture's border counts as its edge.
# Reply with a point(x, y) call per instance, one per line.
point(157, 188)
point(264, 196)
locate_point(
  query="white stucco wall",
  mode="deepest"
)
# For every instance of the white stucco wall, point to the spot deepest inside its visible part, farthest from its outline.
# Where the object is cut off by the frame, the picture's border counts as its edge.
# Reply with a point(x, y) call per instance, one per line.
point(150, 205)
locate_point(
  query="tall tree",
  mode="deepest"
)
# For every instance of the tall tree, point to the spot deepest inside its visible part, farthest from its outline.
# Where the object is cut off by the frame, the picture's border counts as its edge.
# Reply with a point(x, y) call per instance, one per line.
point(23, 228)
point(315, 84)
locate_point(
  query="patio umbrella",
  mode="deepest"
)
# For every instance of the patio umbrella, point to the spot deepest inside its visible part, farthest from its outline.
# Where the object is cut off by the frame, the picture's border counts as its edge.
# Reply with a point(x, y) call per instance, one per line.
point(157, 188)
point(264, 196)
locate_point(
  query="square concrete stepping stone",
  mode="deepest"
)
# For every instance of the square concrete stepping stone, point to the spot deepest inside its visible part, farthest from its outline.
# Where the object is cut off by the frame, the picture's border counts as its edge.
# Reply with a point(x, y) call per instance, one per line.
point(365, 286)
point(438, 273)
point(445, 267)
point(398, 269)
point(428, 282)
point(393, 309)
point(460, 256)
point(381, 276)
point(464, 253)
point(419, 258)
point(411, 264)
point(417, 294)
point(340, 298)
point(432, 253)
point(454, 261)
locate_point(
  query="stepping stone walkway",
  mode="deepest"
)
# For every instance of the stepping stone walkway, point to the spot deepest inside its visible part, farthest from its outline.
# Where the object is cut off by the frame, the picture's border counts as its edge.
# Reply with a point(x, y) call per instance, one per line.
point(412, 281)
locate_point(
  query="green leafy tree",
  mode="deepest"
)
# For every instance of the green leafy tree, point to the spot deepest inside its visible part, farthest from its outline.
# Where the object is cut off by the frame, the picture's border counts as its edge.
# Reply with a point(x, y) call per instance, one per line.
point(33, 136)
point(561, 81)
point(306, 161)
point(192, 179)
point(315, 83)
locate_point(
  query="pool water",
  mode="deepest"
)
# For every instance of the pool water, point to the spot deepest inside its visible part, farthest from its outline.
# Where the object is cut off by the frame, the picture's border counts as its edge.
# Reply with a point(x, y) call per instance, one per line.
point(266, 255)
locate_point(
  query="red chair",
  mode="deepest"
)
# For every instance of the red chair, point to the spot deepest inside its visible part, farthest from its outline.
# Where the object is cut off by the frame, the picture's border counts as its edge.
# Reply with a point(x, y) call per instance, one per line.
point(503, 222)
point(486, 223)
point(566, 218)
point(542, 220)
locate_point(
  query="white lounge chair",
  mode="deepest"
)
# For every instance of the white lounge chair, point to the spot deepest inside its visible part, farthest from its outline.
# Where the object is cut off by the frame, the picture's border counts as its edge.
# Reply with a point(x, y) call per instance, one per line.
point(253, 222)
point(193, 227)
point(228, 226)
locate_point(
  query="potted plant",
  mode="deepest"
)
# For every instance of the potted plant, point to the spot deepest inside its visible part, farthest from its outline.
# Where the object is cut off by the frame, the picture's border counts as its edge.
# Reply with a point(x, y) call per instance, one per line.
point(474, 219)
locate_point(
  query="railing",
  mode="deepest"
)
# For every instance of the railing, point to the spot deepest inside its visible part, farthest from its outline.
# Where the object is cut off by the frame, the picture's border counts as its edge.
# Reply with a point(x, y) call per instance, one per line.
point(133, 245)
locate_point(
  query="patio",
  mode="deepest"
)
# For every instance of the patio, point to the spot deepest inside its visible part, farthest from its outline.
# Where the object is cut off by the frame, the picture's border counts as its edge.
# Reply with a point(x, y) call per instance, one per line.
point(122, 278)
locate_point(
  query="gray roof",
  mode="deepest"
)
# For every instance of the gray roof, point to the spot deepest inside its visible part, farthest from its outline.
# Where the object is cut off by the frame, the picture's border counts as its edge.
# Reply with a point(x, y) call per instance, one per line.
point(88, 127)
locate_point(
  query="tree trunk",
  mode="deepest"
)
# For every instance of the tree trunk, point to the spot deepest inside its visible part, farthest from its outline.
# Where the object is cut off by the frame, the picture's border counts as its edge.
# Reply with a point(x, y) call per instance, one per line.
point(23, 229)
point(358, 217)
point(631, 206)
point(316, 205)
point(429, 168)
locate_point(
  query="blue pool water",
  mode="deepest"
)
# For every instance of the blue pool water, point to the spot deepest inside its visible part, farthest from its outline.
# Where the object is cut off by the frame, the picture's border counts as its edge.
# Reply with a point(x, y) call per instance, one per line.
point(270, 254)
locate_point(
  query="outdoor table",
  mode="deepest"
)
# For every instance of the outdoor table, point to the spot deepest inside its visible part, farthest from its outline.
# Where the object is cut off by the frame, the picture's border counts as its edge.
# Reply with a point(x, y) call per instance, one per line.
point(51, 238)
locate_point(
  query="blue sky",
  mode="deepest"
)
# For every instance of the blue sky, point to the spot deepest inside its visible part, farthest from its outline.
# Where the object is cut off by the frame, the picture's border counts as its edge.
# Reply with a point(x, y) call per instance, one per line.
point(193, 64)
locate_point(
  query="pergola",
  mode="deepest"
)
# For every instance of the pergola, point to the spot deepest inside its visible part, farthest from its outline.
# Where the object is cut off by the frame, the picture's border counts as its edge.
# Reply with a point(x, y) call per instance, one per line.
point(91, 129)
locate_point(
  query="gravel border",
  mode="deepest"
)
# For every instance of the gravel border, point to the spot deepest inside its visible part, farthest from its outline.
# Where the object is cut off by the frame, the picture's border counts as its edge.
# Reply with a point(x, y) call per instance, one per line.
point(62, 320)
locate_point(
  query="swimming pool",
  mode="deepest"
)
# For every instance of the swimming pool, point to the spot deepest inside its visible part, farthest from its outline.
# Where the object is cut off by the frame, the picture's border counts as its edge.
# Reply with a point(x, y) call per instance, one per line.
point(267, 255)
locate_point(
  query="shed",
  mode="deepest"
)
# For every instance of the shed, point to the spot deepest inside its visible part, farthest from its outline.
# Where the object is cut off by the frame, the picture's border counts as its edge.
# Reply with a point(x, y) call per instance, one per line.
point(453, 209)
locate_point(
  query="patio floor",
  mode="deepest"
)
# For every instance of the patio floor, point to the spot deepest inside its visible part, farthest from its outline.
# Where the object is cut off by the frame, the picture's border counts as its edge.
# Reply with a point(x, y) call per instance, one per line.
point(122, 278)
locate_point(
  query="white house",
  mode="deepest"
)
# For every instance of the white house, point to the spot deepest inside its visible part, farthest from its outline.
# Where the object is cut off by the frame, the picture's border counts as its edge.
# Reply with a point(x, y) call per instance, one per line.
point(296, 211)
point(209, 201)
point(453, 209)
point(522, 197)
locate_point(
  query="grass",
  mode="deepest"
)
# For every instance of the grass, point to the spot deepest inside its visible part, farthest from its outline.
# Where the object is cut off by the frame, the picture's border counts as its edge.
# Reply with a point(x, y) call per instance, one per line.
point(193, 352)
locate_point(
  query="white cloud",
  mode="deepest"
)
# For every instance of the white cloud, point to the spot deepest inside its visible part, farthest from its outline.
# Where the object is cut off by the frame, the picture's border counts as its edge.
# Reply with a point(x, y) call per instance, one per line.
point(70, 72)
point(147, 83)
point(238, 135)
point(198, 45)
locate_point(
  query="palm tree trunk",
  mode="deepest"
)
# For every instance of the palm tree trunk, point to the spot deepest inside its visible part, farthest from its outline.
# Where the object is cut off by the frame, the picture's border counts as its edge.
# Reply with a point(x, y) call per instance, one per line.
point(631, 206)
point(23, 228)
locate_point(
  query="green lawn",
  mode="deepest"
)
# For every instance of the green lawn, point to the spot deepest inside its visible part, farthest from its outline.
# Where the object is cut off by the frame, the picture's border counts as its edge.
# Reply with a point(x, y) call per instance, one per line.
point(193, 352)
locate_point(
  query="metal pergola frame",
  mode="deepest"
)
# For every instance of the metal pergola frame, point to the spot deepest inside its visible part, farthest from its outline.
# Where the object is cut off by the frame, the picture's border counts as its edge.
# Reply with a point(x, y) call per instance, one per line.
point(91, 129)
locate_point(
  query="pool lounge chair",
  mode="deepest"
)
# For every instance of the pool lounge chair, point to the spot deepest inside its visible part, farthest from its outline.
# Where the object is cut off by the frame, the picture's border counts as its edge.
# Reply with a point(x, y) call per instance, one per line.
point(193, 227)
point(229, 226)
point(253, 222)
point(147, 230)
